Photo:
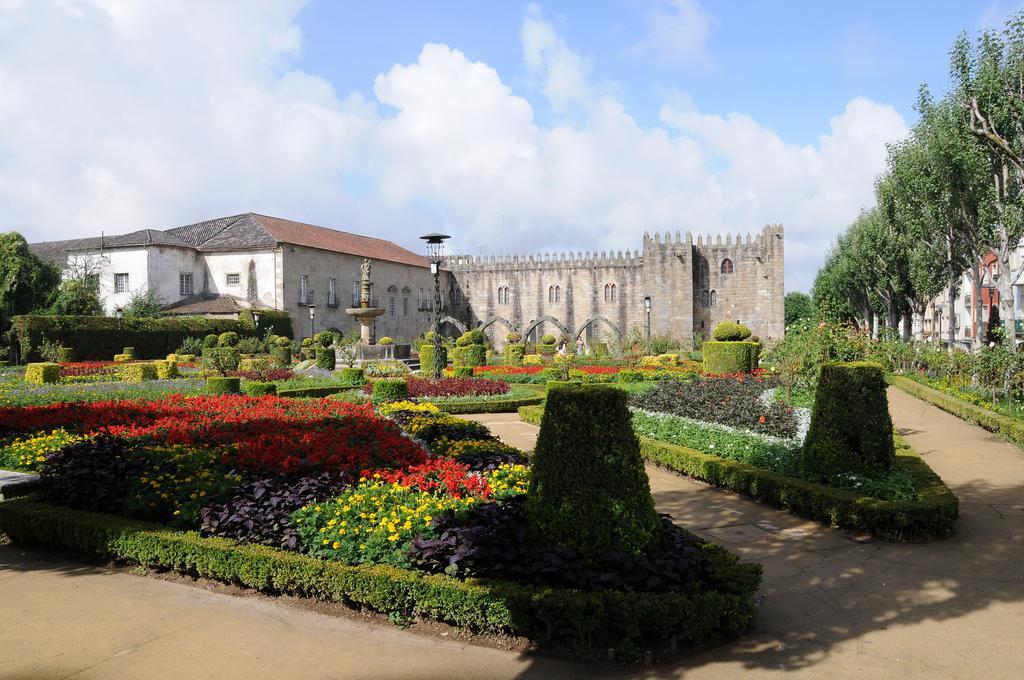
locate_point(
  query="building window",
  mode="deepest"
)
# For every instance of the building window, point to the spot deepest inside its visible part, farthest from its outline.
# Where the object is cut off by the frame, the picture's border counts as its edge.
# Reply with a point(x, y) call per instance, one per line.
point(615, 292)
point(405, 307)
point(727, 266)
point(120, 283)
point(391, 305)
point(714, 298)
point(234, 279)
point(332, 292)
point(185, 284)
point(554, 293)
point(303, 289)
point(607, 292)
point(458, 296)
point(705, 301)
point(502, 295)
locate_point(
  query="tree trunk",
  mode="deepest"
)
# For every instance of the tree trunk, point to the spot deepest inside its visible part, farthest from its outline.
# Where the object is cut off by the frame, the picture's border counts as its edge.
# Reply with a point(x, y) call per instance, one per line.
point(907, 323)
point(951, 310)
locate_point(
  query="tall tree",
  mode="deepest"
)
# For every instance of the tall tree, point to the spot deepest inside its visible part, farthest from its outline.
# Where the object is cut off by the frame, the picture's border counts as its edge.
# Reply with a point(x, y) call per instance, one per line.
point(26, 282)
point(797, 306)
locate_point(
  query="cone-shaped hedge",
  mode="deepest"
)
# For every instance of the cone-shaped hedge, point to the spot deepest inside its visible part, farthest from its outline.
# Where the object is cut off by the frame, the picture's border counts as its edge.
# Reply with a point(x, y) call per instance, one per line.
point(589, 489)
point(851, 430)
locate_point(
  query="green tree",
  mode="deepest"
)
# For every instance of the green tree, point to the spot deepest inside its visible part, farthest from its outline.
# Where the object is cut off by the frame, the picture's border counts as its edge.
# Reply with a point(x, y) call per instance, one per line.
point(78, 296)
point(797, 306)
point(143, 304)
point(26, 283)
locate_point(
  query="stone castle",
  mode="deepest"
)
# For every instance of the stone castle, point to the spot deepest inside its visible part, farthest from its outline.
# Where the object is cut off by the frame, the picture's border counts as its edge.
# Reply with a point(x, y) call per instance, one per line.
point(676, 286)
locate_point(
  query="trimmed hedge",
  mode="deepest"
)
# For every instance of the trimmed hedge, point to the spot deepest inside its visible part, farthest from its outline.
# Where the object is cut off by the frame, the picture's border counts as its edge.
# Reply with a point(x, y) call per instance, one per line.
point(101, 337)
point(514, 353)
point(282, 356)
point(42, 373)
point(427, 358)
point(931, 517)
point(1006, 427)
point(469, 355)
point(65, 354)
point(729, 356)
point(223, 385)
point(581, 624)
point(259, 389)
point(390, 390)
point(138, 372)
point(500, 406)
point(278, 322)
point(730, 331)
point(851, 429)
point(463, 371)
point(325, 359)
point(166, 370)
point(352, 375)
point(316, 392)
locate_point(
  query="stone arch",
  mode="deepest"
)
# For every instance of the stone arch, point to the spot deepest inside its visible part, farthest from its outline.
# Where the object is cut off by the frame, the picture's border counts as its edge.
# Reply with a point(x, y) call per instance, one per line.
point(497, 319)
point(561, 326)
point(455, 322)
point(594, 320)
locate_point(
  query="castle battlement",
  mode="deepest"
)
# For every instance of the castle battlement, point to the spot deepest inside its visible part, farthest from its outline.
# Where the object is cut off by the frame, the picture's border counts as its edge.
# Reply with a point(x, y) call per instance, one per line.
point(472, 263)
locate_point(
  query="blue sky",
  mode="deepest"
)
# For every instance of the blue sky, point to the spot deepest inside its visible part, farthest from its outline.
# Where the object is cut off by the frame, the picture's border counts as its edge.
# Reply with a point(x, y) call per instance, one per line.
point(516, 127)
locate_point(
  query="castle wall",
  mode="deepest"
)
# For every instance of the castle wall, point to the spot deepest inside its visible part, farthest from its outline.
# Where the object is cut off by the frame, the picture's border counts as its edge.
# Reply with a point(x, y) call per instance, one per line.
point(673, 271)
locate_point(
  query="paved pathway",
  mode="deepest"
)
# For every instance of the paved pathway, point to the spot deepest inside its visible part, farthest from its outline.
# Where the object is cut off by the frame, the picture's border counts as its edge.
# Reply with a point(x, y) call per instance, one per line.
point(832, 605)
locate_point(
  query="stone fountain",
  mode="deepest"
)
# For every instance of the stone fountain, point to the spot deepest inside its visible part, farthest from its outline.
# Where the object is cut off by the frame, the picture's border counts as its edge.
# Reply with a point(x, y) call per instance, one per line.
point(364, 313)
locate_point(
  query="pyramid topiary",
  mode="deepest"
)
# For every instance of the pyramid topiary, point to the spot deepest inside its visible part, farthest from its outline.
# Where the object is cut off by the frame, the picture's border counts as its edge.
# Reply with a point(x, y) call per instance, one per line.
point(589, 489)
point(851, 430)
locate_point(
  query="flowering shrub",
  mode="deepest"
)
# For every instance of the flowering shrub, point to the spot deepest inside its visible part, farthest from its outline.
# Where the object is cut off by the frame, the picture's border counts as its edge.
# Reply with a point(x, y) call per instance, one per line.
point(729, 401)
point(372, 523)
point(438, 431)
point(508, 481)
point(264, 433)
point(392, 408)
point(29, 453)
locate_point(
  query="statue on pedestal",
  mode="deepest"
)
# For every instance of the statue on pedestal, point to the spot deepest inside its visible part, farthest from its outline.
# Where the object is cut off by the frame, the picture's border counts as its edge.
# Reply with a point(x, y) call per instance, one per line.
point(364, 284)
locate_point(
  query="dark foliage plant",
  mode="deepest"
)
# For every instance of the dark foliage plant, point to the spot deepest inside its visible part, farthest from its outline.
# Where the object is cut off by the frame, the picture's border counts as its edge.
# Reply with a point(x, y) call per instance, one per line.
point(260, 511)
point(492, 541)
point(91, 475)
point(733, 401)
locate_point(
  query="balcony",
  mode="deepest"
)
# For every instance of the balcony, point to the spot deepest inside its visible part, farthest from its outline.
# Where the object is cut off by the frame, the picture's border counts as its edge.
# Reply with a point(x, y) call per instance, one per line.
point(332, 299)
point(306, 298)
point(425, 306)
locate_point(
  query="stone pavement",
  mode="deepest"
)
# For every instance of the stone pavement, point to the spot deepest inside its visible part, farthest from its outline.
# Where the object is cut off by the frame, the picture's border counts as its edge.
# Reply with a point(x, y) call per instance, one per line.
point(833, 605)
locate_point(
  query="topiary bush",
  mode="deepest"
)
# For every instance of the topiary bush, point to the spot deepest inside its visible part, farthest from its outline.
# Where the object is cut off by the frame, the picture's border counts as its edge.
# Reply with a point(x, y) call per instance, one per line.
point(352, 375)
point(477, 337)
point(514, 353)
point(729, 356)
point(547, 339)
point(166, 370)
point(390, 390)
point(463, 371)
point(589, 490)
point(260, 389)
point(730, 330)
point(129, 352)
point(227, 339)
point(139, 372)
point(223, 385)
point(65, 354)
point(221, 359)
point(325, 358)
point(851, 430)
point(282, 356)
point(386, 341)
point(210, 340)
point(122, 358)
point(469, 355)
point(42, 373)
point(463, 340)
point(514, 337)
point(323, 339)
point(427, 358)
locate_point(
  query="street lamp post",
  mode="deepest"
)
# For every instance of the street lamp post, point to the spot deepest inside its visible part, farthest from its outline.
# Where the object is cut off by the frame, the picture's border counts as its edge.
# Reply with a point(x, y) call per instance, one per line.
point(118, 312)
point(435, 247)
point(312, 321)
point(256, 321)
point(647, 311)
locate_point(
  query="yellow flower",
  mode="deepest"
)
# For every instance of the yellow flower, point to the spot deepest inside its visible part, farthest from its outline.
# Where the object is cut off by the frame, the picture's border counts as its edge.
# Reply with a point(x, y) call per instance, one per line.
point(335, 545)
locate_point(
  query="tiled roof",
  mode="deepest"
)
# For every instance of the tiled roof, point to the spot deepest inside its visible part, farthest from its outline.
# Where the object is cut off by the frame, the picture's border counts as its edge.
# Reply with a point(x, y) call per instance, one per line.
point(245, 232)
point(312, 236)
point(209, 304)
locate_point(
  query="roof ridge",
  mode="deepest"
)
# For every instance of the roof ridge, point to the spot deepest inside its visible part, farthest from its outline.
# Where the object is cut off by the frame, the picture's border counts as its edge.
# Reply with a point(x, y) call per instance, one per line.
point(318, 226)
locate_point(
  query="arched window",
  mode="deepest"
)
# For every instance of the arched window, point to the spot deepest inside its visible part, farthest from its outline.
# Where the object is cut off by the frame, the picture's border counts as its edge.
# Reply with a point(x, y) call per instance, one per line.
point(558, 293)
point(607, 292)
point(727, 266)
point(714, 298)
point(502, 295)
point(704, 300)
point(614, 293)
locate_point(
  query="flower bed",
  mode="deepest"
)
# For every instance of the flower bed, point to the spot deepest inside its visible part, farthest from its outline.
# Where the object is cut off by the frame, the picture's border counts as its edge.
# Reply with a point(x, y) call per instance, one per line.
point(86, 368)
point(451, 387)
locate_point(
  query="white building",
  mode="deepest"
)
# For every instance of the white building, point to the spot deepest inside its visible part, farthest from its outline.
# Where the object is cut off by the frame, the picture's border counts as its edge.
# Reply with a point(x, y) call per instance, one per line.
point(221, 266)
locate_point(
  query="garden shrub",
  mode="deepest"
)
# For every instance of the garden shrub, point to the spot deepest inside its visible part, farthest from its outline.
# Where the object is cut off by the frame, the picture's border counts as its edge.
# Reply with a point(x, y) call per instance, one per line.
point(722, 357)
point(221, 359)
point(223, 385)
point(275, 321)
point(600, 349)
point(389, 390)
point(227, 339)
point(166, 370)
point(514, 353)
point(730, 331)
point(282, 356)
point(547, 339)
point(129, 352)
point(122, 358)
point(210, 340)
point(42, 373)
point(254, 364)
point(139, 371)
point(325, 359)
point(260, 389)
point(851, 430)
point(589, 489)
point(386, 368)
point(65, 354)
point(386, 340)
point(533, 360)
point(352, 376)
point(427, 358)
point(463, 340)
point(628, 376)
point(514, 337)
point(469, 355)
point(463, 371)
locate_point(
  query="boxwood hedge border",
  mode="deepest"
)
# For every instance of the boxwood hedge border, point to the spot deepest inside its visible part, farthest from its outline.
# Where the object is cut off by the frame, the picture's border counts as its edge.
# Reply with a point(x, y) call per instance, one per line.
point(1006, 427)
point(624, 626)
point(930, 517)
point(496, 406)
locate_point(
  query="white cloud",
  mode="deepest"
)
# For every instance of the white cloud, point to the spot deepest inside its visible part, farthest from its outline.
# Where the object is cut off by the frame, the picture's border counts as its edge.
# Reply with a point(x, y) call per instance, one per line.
point(677, 33)
point(121, 116)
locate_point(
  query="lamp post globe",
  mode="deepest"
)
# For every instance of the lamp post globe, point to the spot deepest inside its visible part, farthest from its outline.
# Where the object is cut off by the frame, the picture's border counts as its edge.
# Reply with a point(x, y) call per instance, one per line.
point(312, 320)
point(435, 249)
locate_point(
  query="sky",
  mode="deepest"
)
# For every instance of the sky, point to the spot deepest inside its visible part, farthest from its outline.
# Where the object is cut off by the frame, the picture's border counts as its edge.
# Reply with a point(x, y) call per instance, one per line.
point(515, 127)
